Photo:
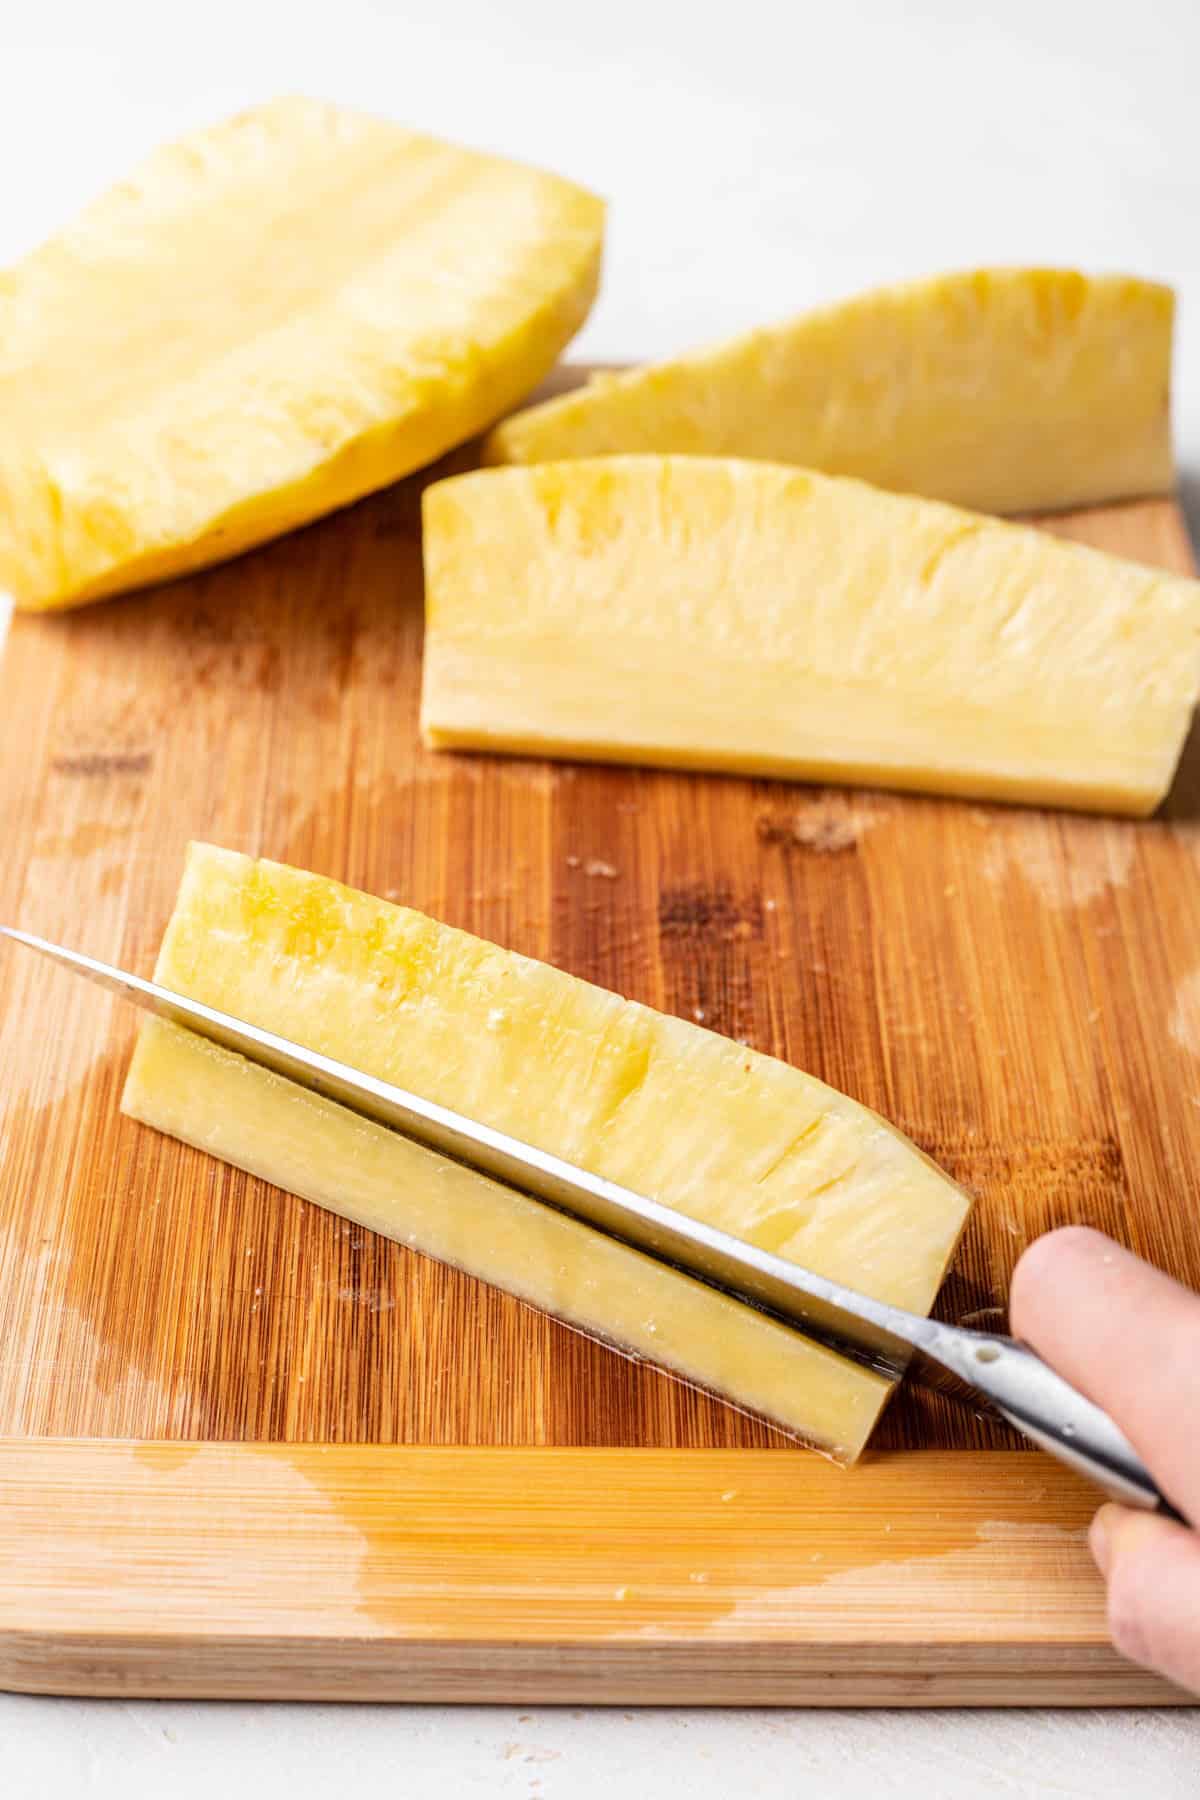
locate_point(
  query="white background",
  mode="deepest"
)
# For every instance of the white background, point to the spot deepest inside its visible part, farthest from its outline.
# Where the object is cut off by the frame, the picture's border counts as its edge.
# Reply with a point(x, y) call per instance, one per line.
point(758, 156)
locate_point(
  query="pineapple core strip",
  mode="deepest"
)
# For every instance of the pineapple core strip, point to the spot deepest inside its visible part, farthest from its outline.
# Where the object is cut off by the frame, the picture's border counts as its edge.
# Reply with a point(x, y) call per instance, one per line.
point(1010, 390)
point(268, 319)
point(715, 614)
point(699, 1122)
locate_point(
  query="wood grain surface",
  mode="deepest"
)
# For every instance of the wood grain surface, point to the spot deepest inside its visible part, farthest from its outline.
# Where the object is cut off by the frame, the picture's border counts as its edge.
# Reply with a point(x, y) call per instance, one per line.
point(364, 1572)
point(1019, 990)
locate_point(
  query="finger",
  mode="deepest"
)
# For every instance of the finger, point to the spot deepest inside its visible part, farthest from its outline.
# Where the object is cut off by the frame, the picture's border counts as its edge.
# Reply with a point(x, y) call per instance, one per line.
point(1153, 1573)
point(1128, 1337)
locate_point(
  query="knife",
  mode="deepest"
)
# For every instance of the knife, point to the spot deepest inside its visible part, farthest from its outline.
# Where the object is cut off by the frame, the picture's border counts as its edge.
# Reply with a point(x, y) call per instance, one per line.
point(1021, 1387)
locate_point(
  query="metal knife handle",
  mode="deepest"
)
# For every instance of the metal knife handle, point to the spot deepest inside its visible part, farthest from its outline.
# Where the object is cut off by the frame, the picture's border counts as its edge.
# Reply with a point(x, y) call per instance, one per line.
point(1039, 1402)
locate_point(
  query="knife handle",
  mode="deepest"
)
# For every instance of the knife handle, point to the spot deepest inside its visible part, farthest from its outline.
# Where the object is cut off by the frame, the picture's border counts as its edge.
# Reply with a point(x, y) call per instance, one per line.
point(1046, 1408)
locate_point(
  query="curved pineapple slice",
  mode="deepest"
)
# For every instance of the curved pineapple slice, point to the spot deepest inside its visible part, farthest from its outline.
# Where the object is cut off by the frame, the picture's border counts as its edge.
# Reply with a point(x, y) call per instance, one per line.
point(714, 1129)
point(1009, 390)
point(269, 319)
point(741, 616)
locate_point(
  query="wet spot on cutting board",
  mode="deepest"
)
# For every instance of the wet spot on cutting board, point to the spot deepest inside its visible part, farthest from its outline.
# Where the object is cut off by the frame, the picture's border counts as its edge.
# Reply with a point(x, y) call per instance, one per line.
point(164, 1458)
point(88, 838)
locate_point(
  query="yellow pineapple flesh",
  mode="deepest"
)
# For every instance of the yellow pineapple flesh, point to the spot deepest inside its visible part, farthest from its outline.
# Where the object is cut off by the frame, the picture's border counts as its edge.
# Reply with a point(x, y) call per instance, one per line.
point(715, 614)
point(1005, 390)
point(269, 319)
point(699, 1122)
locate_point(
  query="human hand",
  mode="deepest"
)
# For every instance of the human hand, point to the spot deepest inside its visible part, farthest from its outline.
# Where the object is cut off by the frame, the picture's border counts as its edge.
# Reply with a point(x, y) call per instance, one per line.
point(1129, 1337)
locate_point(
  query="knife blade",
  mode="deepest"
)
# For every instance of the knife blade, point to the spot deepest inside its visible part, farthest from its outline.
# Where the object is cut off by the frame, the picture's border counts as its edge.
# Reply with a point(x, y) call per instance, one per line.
point(1017, 1382)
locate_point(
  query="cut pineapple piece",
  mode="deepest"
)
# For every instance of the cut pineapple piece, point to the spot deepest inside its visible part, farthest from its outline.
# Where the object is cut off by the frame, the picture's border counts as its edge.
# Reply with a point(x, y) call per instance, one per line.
point(736, 615)
point(693, 1119)
point(1010, 390)
point(268, 320)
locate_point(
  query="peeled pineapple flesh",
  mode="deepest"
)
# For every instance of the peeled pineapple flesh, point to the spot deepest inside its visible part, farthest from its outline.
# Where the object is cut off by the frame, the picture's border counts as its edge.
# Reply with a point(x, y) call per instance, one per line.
point(693, 1119)
point(715, 614)
point(269, 319)
point(1007, 390)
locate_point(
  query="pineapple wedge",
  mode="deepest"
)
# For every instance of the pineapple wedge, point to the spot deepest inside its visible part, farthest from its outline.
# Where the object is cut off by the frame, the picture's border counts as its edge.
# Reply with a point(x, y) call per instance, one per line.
point(714, 614)
point(714, 1129)
point(269, 319)
point(1008, 390)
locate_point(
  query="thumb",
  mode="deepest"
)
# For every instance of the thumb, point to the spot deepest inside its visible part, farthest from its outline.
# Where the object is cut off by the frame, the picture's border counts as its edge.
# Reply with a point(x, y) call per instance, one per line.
point(1152, 1567)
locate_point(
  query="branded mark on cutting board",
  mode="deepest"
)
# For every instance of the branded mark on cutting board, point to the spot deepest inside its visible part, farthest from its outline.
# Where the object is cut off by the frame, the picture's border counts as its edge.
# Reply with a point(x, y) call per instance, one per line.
point(102, 763)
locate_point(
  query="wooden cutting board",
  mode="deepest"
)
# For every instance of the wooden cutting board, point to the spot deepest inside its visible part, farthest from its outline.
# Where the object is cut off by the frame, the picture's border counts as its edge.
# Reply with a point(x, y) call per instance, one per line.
point(246, 1448)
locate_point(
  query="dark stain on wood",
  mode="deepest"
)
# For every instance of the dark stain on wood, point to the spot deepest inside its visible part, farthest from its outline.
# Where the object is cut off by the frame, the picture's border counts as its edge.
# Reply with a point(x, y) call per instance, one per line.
point(697, 913)
point(98, 764)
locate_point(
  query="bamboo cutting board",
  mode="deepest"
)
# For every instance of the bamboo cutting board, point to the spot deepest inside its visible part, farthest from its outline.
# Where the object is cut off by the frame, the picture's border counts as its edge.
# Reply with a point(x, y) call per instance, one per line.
point(246, 1448)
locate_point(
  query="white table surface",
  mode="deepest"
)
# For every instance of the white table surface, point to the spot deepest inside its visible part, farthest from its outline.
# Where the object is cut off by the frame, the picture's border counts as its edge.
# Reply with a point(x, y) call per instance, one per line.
point(759, 156)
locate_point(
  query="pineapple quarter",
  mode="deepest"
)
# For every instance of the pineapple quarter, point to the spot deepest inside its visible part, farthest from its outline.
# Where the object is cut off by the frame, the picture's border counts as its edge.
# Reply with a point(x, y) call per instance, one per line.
point(699, 1122)
point(1005, 390)
point(714, 614)
point(267, 320)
